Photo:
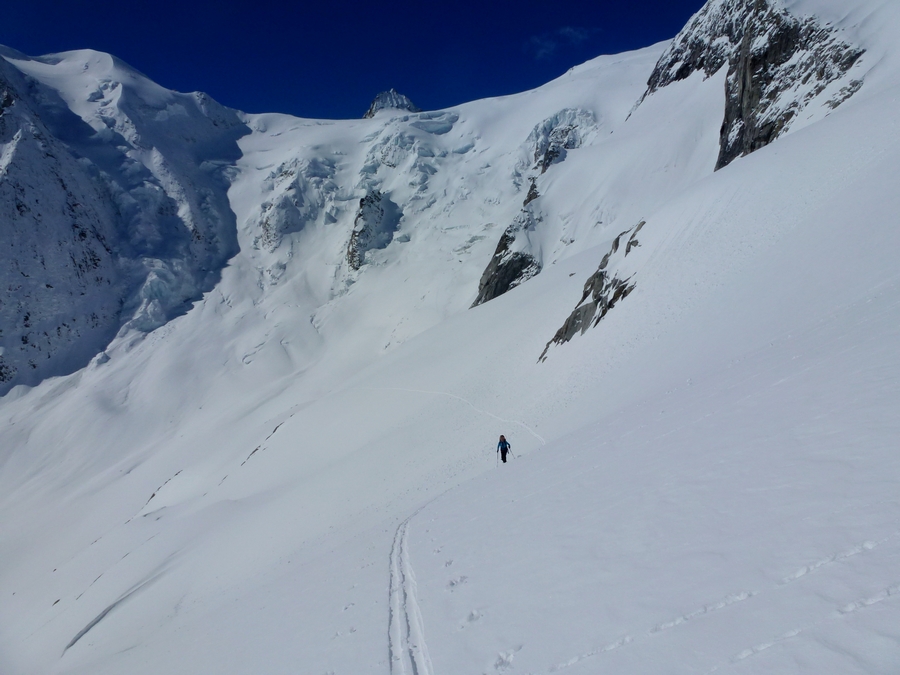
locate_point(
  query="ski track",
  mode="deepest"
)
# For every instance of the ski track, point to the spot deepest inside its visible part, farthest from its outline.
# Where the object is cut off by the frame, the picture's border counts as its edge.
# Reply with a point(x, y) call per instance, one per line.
point(735, 598)
point(467, 402)
point(406, 632)
point(406, 637)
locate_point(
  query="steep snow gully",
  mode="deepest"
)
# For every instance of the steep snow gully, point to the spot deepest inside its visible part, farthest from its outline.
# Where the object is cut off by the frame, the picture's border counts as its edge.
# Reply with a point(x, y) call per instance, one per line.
point(254, 368)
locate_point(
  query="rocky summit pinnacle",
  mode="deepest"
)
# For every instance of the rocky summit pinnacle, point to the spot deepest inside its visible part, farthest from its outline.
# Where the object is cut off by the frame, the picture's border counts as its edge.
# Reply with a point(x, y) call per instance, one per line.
point(390, 99)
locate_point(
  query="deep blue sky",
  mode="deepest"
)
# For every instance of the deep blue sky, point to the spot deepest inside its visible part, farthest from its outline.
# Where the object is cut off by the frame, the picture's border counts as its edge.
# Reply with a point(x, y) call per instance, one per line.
point(329, 59)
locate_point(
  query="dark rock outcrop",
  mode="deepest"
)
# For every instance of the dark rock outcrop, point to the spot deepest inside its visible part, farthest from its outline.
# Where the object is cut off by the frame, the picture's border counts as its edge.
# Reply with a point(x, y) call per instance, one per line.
point(547, 144)
point(390, 99)
point(777, 64)
point(373, 228)
point(602, 291)
point(532, 193)
point(508, 268)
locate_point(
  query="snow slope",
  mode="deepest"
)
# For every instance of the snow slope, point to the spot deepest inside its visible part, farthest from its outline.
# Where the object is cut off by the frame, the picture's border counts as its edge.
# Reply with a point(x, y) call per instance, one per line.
point(297, 473)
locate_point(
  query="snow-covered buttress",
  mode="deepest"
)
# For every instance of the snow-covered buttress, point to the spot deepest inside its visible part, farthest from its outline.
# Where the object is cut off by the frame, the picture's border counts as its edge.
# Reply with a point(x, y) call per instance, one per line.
point(114, 205)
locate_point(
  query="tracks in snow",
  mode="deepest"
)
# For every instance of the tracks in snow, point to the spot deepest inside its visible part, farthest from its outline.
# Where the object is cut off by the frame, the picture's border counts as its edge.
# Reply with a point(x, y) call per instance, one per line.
point(889, 593)
point(409, 650)
point(406, 634)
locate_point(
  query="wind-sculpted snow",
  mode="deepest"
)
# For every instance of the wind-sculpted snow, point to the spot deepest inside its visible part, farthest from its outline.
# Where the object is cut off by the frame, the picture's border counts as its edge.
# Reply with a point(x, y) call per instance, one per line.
point(437, 123)
point(301, 191)
point(400, 148)
point(778, 65)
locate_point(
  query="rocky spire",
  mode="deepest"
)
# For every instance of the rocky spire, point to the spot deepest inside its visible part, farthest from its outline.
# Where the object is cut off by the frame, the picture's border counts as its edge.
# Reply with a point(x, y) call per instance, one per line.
point(391, 99)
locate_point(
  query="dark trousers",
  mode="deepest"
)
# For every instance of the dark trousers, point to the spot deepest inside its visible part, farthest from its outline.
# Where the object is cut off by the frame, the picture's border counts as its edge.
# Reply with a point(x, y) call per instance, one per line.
point(503, 452)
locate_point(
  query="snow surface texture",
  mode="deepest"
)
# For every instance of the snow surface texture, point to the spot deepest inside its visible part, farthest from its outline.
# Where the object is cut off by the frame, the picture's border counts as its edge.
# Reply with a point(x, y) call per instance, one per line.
point(299, 473)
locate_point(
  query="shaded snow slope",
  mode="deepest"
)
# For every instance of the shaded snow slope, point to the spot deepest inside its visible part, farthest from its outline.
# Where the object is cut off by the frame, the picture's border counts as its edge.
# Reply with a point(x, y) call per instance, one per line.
point(114, 206)
point(299, 472)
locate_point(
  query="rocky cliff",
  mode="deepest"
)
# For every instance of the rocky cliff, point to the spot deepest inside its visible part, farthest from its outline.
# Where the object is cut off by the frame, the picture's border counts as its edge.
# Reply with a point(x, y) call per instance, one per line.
point(373, 227)
point(778, 67)
point(62, 284)
point(777, 64)
point(603, 289)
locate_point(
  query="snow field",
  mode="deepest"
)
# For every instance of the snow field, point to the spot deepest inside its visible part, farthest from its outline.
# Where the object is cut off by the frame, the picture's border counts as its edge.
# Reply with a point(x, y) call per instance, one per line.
point(703, 483)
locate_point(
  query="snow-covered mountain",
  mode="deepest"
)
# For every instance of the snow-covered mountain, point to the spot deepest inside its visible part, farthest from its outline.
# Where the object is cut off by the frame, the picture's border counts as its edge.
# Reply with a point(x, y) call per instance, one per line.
point(254, 367)
point(114, 206)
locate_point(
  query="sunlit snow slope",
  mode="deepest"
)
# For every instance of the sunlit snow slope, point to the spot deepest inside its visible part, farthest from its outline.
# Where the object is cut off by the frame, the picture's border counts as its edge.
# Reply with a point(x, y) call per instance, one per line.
point(297, 474)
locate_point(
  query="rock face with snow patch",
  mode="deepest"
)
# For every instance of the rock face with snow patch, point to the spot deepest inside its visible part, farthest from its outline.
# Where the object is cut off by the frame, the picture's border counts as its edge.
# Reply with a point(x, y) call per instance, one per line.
point(777, 65)
point(603, 289)
point(508, 267)
point(373, 228)
point(514, 262)
point(390, 100)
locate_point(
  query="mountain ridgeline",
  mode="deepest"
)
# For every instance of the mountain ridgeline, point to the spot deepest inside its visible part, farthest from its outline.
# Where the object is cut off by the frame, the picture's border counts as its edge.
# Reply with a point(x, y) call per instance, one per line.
point(117, 206)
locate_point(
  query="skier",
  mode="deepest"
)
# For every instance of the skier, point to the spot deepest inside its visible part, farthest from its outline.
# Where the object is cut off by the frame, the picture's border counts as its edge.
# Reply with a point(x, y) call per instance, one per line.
point(503, 447)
